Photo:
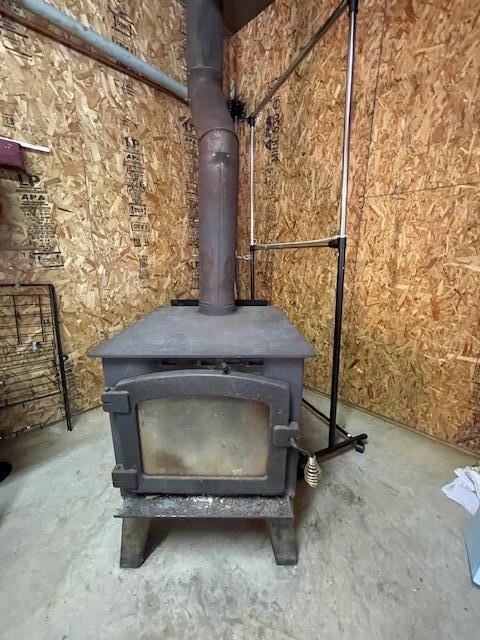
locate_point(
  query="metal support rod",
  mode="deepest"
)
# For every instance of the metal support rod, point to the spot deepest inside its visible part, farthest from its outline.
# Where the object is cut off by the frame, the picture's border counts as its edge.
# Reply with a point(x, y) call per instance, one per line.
point(337, 338)
point(316, 411)
point(348, 116)
point(317, 36)
point(326, 419)
point(67, 23)
point(338, 447)
point(305, 244)
point(251, 188)
point(16, 319)
point(339, 292)
point(349, 440)
point(251, 182)
point(70, 44)
point(252, 272)
point(61, 364)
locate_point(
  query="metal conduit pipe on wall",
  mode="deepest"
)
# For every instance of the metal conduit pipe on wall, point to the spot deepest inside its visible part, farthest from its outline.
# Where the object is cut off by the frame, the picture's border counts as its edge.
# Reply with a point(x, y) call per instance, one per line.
point(89, 36)
point(218, 156)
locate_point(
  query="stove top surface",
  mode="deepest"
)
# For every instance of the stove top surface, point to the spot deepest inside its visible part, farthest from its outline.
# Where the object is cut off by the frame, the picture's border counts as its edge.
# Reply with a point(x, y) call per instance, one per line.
point(184, 332)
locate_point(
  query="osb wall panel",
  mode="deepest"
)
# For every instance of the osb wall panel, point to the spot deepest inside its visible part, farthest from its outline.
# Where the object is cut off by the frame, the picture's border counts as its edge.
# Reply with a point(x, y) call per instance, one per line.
point(411, 319)
point(104, 216)
point(425, 131)
point(44, 215)
point(415, 312)
point(134, 172)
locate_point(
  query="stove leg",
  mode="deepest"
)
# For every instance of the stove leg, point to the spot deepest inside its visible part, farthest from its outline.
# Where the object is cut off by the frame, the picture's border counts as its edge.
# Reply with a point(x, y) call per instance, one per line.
point(134, 539)
point(283, 539)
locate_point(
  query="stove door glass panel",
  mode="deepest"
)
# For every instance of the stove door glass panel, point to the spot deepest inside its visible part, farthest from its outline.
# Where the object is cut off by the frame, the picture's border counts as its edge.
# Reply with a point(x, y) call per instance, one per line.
point(204, 436)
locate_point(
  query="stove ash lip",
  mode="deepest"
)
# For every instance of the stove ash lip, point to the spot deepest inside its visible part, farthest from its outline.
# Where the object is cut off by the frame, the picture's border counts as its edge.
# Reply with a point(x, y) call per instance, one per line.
point(182, 332)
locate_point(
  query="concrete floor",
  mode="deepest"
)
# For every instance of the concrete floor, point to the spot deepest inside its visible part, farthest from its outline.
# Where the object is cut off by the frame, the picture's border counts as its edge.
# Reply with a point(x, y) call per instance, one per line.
point(381, 550)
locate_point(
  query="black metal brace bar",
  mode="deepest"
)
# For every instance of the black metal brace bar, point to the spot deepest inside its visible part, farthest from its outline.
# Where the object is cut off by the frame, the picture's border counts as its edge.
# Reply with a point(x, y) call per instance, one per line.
point(317, 36)
point(61, 362)
point(329, 243)
point(357, 441)
point(252, 272)
point(339, 447)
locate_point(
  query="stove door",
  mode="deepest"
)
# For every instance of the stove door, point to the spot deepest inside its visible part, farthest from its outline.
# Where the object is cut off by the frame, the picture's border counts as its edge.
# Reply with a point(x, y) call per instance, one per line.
point(199, 432)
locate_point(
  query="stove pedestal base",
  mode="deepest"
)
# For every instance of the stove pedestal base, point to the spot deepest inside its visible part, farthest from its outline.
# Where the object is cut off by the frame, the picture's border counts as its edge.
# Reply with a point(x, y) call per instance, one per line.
point(137, 512)
point(284, 541)
point(134, 539)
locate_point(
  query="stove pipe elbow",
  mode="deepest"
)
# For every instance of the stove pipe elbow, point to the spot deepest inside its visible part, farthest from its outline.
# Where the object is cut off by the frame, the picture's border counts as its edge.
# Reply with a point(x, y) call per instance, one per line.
point(218, 157)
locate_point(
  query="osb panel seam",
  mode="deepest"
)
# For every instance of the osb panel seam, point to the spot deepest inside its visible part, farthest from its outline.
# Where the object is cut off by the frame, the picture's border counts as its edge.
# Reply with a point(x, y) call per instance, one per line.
point(432, 188)
point(94, 248)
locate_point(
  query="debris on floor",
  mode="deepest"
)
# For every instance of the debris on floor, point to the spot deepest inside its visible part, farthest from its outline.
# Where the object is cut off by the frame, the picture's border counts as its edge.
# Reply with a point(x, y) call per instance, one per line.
point(465, 489)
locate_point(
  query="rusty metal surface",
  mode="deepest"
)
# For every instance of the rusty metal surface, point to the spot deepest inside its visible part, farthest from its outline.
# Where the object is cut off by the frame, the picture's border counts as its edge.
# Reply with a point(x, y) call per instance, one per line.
point(256, 507)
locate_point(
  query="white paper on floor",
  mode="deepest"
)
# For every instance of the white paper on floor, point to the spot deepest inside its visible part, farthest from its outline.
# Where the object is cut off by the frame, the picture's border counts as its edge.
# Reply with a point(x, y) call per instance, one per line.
point(465, 489)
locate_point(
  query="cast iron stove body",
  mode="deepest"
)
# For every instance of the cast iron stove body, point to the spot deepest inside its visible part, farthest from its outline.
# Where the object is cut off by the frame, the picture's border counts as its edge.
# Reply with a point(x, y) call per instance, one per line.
point(205, 406)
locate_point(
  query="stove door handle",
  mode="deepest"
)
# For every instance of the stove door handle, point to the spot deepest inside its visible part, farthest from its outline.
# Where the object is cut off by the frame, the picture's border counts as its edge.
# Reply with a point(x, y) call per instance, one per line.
point(282, 433)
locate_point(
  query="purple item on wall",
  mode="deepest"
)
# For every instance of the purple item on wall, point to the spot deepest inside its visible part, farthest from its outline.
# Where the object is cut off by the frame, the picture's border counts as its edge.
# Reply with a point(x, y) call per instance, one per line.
point(11, 155)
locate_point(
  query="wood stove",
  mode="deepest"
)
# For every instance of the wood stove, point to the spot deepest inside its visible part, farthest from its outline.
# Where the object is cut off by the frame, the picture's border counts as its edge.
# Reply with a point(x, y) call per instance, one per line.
point(205, 400)
point(206, 406)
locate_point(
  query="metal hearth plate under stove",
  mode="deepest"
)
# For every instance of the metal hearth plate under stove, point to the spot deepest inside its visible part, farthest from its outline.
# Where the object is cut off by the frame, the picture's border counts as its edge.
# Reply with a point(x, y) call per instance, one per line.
point(258, 507)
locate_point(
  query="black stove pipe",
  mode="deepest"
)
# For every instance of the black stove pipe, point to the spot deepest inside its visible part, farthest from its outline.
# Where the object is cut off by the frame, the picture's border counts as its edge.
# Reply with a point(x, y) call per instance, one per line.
point(218, 156)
